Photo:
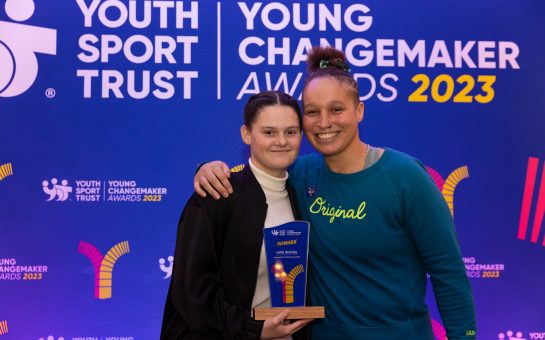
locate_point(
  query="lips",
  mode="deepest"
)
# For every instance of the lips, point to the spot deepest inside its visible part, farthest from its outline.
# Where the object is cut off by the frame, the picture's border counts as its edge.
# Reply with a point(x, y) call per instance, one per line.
point(326, 136)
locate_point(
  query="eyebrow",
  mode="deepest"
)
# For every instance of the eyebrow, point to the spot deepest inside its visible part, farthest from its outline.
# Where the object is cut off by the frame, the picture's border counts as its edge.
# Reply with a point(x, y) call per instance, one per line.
point(275, 127)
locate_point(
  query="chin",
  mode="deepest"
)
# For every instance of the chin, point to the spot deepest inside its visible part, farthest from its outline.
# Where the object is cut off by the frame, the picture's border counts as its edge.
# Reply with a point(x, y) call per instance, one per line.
point(326, 150)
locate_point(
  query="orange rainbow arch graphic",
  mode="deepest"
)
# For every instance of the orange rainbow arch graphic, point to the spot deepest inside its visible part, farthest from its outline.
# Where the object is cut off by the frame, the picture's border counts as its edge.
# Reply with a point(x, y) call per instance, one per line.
point(290, 280)
point(5, 170)
point(448, 186)
point(287, 280)
point(103, 265)
point(3, 327)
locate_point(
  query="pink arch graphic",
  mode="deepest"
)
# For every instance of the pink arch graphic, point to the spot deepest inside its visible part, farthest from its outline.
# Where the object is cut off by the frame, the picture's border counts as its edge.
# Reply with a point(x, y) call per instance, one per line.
point(103, 265)
point(438, 330)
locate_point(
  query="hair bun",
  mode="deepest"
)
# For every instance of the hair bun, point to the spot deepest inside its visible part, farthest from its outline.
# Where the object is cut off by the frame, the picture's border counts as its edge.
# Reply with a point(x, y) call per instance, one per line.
point(320, 57)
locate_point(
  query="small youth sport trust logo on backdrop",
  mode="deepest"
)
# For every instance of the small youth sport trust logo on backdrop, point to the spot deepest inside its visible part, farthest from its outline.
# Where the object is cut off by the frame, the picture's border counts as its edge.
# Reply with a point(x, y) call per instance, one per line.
point(530, 187)
point(510, 335)
point(57, 190)
point(167, 269)
point(448, 186)
point(103, 265)
point(19, 44)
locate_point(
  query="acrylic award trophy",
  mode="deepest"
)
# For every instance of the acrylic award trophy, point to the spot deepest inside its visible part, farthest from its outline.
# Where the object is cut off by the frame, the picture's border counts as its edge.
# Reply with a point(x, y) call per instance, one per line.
point(286, 247)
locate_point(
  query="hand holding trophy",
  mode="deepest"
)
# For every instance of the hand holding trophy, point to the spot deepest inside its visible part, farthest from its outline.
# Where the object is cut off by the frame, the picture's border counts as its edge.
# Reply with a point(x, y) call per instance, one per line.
point(286, 247)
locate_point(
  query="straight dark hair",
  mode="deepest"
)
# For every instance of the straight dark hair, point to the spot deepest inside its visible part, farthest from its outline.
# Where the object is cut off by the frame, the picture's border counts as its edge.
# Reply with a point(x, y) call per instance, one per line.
point(267, 98)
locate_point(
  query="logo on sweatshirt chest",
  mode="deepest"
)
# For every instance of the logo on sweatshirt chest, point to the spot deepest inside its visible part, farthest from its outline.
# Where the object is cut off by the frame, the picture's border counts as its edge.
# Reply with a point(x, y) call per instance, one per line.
point(320, 206)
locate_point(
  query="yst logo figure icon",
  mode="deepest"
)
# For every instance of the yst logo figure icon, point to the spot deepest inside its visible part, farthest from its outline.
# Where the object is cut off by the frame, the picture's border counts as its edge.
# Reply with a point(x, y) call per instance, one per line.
point(103, 265)
point(167, 269)
point(19, 44)
point(59, 191)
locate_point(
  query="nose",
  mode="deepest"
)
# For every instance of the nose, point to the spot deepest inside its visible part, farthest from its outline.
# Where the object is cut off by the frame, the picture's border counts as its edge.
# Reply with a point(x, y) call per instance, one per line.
point(323, 121)
point(281, 140)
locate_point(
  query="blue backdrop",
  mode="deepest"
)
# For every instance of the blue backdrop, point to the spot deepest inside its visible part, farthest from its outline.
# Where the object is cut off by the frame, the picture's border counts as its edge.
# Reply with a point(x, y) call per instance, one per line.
point(106, 107)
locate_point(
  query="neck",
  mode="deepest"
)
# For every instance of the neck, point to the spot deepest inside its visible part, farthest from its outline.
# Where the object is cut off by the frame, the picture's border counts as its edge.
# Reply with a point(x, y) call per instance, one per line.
point(350, 161)
point(268, 181)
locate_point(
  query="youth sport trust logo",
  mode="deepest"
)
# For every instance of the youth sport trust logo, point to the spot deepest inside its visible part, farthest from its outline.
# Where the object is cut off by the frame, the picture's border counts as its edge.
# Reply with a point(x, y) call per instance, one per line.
point(167, 269)
point(527, 199)
point(59, 191)
point(103, 265)
point(19, 44)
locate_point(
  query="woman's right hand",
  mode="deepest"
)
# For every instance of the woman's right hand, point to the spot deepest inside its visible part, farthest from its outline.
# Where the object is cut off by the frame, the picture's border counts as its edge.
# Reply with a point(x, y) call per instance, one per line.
point(275, 328)
point(213, 178)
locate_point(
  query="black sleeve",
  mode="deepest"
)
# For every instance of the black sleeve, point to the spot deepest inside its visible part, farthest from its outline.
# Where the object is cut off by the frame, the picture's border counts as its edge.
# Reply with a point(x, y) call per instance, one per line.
point(197, 293)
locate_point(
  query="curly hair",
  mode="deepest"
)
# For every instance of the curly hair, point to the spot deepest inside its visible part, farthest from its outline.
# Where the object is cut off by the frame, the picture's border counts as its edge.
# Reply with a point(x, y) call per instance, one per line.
point(330, 62)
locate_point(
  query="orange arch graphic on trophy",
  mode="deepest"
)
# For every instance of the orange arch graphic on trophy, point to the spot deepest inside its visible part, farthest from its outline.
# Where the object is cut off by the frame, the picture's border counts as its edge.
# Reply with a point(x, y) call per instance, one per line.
point(3, 327)
point(290, 280)
point(103, 266)
point(5, 170)
point(448, 186)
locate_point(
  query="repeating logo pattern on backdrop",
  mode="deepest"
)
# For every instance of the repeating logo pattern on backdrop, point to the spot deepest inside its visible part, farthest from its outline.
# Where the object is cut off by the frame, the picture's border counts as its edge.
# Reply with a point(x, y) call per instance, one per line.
point(438, 330)
point(11, 271)
point(19, 44)
point(167, 269)
point(447, 187)
point(58, 191)
point(5, 171)
point(101, 191)
point(527, 198)
point(518, 335)
point(510, 335)
point(103, 265)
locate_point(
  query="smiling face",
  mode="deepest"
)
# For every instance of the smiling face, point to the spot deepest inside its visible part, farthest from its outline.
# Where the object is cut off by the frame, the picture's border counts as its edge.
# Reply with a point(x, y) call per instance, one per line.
point(274, 138)
point(331, 117)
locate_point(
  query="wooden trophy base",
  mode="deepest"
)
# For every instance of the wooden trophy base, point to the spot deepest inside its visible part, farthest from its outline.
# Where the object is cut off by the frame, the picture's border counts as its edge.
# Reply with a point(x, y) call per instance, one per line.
point(314, 312)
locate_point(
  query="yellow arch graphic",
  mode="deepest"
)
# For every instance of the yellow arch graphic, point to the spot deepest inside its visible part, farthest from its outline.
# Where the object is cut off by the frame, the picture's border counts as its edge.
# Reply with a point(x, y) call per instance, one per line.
point(450, 185)
point(5, 170)
point(290, 280)
point(3, 327)
point(237, 168)
point(107, 267)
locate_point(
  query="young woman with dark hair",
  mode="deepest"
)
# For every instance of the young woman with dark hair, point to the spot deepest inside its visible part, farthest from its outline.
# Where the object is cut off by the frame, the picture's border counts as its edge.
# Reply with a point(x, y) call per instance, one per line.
point(220, 271)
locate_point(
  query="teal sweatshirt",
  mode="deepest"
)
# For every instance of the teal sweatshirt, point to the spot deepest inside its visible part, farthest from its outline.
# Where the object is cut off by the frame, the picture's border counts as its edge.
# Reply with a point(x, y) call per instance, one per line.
point(374, 236)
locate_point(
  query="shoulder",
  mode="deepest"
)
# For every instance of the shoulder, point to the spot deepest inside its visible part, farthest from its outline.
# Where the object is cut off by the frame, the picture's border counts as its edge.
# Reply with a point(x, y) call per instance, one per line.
point(403, 165)
point(406, 174)
point(307, 163)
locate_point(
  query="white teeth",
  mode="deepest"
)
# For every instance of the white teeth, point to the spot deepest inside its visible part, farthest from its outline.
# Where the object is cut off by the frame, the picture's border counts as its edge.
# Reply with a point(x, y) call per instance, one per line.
point(326, 135)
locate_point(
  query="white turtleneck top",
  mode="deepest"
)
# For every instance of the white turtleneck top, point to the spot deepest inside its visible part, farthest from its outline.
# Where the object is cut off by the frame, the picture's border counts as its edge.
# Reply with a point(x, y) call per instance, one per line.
point(278, 212)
